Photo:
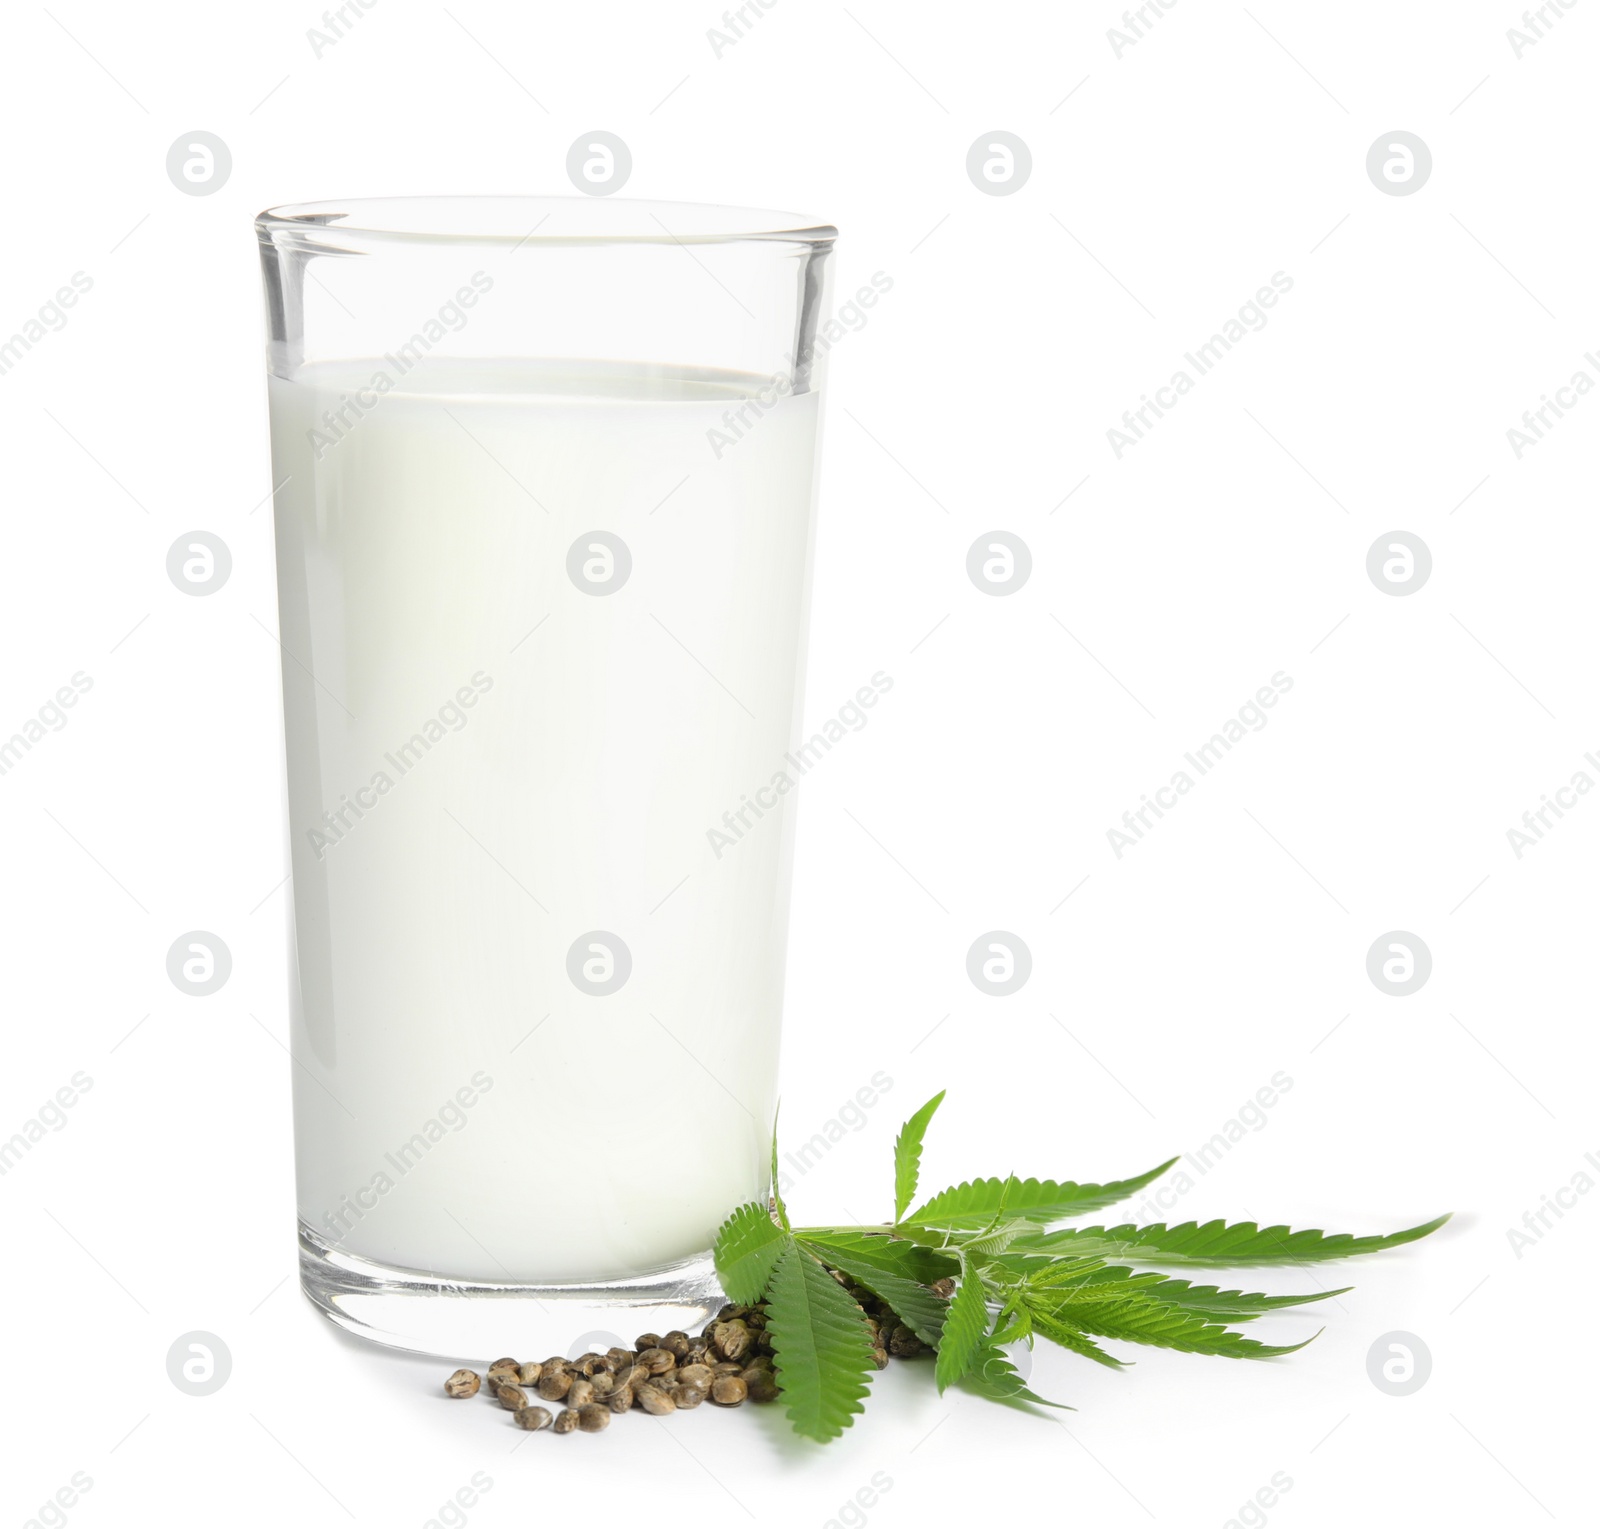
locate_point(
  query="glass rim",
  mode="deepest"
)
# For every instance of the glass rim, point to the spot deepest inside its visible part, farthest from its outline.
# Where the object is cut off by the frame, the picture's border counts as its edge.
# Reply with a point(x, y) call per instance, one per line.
point(518, 221)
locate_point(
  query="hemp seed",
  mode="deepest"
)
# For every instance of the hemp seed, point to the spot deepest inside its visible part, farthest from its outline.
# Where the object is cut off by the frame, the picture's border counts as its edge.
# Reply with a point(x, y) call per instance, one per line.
point(566, 1421)
point(532, 1418)
point(554, 1384)
point(462, 1383)
point(675, 1343)
point(593, 1418)
point(731, 1339)
point(728, 1390)
point(654, 1400)
point(903, 1343)
point(511, 1397)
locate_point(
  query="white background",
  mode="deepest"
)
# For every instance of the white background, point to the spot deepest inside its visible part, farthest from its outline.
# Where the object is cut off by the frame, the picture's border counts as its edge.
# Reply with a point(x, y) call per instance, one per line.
point(1168, 985)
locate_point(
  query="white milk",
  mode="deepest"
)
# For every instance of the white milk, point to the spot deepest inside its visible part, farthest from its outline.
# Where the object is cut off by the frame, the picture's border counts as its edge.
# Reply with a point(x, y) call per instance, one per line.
point(490, 763)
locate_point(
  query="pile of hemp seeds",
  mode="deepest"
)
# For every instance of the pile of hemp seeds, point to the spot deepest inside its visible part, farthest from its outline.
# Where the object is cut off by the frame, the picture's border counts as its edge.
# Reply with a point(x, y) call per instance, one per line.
point(727, 1364)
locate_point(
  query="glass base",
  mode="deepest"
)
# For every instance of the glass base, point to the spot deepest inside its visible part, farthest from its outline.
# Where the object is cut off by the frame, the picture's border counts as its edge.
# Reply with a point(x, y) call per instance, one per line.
point(427, 1314)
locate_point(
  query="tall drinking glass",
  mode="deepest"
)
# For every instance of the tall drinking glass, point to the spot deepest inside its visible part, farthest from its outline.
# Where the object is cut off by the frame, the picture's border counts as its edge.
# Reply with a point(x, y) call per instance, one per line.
point(544, 481)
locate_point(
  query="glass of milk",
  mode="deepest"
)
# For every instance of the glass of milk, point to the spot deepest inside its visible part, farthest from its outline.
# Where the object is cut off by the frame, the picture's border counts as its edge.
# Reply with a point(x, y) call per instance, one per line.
point(544, 480)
